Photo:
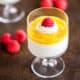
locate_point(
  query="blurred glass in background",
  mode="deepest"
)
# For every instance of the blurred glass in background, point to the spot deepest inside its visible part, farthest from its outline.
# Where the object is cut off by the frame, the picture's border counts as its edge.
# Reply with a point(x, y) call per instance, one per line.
point(9, 12)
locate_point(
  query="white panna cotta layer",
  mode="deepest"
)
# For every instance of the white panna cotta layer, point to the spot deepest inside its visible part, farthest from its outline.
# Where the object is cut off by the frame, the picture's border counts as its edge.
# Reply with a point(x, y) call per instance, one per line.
point(52, 50)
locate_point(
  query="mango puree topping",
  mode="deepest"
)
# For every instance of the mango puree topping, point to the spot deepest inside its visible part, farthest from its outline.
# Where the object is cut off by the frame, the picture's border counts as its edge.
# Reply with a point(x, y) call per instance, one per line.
point(47, 38)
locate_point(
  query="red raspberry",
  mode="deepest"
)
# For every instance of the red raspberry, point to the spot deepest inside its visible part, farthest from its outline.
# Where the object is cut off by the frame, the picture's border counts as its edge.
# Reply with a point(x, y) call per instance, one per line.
point(53, 1)
point(62, 4)
point(0, 39)
point(6, 37)
point(20, 35)
point(46, 3)
point(48, 22)
point(13, 46)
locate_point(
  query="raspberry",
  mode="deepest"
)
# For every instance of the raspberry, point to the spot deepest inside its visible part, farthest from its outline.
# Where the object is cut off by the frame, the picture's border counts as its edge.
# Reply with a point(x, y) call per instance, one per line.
point(0, 39)
point(46, 3)
point(6, 37)
point(48, 22)
point(53, 1)
point(62, 4)
point(13, 46)
point(20, 35)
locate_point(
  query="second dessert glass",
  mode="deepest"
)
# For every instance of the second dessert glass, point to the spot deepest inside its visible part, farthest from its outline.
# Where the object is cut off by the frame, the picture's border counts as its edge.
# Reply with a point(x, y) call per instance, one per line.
point(9, 12)
point(48, 63)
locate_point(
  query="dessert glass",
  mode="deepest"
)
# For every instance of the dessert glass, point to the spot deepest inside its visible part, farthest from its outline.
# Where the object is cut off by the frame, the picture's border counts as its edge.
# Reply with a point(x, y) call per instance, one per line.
point(9, 12)
point(48, 62)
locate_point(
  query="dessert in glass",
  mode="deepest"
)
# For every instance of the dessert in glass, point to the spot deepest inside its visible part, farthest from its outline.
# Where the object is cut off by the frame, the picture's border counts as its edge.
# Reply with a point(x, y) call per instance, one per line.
point(10, 13)
point(48, 36)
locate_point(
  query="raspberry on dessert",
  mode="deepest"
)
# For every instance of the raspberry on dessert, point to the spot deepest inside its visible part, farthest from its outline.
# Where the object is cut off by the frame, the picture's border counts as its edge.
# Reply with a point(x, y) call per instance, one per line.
point(62, 4)
point(47, 22)
point(6, 37)
point(13, 46)
point(46, 3)
point(20, 35)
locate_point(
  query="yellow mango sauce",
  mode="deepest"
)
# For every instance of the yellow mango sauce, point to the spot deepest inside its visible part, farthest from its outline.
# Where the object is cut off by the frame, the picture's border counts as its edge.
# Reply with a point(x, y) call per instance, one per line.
point(47, 38)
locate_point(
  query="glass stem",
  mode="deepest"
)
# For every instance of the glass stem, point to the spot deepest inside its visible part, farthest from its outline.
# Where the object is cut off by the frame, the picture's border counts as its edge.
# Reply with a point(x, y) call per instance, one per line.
point(6, 11)
point(49, 62)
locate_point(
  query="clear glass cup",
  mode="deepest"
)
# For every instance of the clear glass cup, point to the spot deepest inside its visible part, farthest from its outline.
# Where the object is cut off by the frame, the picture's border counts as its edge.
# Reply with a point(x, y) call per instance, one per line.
point(48, 64)
point(10, 13)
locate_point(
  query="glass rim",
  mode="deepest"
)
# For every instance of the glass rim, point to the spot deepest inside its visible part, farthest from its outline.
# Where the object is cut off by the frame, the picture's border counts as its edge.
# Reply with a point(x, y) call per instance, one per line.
point(34, 10)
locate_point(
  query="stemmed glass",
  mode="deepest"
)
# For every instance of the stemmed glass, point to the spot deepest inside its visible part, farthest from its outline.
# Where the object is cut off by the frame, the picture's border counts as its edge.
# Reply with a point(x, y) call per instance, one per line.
point(48, 62)
point(10, 13)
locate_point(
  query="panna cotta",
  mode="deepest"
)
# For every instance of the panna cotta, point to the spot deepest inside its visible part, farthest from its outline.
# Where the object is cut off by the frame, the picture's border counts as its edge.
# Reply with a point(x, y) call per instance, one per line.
point(8, 1)
point(47, 36)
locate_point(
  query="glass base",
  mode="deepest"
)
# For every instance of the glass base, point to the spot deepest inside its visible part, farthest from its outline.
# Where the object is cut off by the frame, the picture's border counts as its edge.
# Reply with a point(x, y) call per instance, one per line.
point(12, 20)
point(48, 68)
point(11, 14)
